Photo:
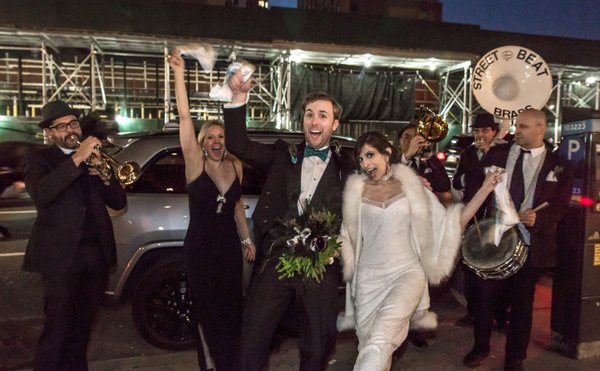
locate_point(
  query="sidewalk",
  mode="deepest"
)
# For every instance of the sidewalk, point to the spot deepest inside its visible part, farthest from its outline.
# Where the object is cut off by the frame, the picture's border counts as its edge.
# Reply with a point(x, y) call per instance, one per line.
point(445, 351)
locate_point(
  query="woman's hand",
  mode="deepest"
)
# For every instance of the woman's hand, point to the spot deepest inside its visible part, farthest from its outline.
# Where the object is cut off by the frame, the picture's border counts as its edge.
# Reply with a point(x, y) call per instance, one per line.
point(425, 183)
point(492, 178)
point(249, 251)
point(175, 61)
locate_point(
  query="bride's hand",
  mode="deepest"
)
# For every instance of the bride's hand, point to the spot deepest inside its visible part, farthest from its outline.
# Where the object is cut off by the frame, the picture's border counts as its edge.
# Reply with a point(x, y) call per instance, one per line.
point(426, 183)
point(492, 178)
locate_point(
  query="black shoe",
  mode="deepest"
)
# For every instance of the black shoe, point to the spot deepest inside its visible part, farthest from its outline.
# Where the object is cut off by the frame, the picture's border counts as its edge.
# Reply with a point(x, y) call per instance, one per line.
point(417, 339)
point(398, 353)
point(513, 365)
point(474, 359)
point(467, 320)
point(5, 234)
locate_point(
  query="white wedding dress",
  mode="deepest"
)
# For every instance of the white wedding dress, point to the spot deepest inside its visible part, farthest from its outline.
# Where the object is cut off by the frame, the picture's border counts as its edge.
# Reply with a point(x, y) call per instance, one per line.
point(390, 282)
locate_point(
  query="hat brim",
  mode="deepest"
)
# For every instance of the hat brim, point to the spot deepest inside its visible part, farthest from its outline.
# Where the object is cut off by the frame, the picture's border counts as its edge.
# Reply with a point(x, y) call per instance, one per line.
point(47, 122)
point(485, 125)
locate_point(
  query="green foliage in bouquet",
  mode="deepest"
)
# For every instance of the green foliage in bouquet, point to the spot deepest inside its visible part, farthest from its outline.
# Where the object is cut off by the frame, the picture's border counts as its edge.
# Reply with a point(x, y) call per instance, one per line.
point(312, 244)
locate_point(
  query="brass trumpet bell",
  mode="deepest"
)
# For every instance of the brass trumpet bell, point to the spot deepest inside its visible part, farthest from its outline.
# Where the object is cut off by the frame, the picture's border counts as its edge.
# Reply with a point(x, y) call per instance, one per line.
point(126, 172)
point(431, 126)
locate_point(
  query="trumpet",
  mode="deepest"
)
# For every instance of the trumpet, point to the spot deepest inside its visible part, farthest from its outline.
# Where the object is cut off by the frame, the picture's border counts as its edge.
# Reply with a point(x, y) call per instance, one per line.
point(125, 172)
point(431, 127)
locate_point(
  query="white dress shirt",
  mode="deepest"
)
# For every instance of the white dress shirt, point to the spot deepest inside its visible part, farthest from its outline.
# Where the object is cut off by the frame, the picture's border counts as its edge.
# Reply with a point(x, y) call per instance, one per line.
point(312, 171)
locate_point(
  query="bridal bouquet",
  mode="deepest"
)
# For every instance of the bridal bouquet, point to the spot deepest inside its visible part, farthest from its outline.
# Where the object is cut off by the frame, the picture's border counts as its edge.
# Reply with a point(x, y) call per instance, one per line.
point(311, 245)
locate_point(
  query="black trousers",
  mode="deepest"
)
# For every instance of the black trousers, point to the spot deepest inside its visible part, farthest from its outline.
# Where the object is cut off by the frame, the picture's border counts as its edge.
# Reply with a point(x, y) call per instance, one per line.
point(502, 302)
point(71, 301)
point(521, 289)
point(269, 298)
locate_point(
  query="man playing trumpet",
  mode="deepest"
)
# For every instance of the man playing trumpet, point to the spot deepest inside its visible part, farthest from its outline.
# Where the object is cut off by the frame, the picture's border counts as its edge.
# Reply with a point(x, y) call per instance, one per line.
point(469, 172)
point(416, 154)
point(468, 179)
point(72, 243)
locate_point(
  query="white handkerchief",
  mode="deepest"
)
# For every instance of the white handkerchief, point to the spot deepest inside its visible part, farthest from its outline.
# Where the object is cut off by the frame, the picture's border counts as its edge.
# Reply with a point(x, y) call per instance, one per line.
point(223, 92)
point(551, 177)
point(204, 54)
point(508, 214)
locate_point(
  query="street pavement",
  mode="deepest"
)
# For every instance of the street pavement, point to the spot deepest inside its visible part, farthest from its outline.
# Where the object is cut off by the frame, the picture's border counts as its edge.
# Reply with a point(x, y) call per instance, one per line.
point(445, 352)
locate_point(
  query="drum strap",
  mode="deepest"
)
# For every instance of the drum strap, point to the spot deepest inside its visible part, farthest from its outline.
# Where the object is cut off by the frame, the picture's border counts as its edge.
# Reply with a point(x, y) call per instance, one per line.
point(529, 192)
point(528, 201)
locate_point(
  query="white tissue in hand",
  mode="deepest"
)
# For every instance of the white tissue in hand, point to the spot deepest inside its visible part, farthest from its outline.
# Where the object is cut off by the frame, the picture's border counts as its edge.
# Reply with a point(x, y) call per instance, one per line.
point(203, 53)
point(246, 67)
point(508, 214)
point(223, 92)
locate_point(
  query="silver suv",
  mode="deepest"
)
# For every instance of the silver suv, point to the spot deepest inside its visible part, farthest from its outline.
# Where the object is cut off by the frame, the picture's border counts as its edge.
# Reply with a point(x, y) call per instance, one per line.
point(149, 234)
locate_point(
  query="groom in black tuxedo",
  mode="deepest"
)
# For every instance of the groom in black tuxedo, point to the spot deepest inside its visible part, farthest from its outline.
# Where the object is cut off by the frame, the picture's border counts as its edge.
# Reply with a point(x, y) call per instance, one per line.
point(309, 172)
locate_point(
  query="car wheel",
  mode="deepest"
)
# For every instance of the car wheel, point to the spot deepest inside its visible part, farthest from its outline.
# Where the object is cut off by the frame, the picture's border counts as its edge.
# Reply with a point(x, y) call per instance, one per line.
point(162, 308)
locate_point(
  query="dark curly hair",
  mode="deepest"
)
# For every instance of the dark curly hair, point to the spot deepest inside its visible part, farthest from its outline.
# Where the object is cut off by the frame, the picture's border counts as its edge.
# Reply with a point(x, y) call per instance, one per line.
point(380, 142)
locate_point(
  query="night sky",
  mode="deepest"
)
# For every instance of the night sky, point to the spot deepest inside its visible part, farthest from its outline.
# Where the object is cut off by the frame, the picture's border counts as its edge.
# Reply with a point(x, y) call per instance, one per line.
point(567, 18)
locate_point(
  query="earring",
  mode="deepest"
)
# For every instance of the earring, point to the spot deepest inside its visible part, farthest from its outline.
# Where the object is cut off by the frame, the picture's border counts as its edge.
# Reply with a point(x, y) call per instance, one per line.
point(205, 153)
point(225, 154)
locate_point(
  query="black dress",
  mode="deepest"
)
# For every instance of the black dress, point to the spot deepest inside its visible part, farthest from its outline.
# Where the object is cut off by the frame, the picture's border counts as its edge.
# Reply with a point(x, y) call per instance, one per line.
point(214, 267)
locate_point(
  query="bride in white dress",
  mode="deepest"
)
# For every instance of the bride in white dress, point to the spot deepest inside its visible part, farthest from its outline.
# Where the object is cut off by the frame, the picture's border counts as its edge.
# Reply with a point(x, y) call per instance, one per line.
point(396, 238)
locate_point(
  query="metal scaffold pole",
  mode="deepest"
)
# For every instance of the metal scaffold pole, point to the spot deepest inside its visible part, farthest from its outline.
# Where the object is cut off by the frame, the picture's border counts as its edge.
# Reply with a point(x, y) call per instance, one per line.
point(167, 87)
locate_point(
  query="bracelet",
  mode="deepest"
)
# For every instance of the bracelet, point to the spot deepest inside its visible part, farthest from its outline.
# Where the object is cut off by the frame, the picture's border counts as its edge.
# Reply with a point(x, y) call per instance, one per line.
point(246, 241)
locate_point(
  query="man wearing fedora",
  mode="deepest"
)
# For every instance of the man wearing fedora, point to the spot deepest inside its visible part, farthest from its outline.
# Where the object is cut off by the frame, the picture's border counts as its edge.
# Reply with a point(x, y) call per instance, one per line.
point(72, 243)
point(469, 172)
point(468, 178)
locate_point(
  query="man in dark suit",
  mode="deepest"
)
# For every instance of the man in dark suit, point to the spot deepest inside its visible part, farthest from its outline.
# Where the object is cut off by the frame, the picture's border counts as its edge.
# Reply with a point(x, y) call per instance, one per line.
point(468, 178)
point(72, 242)
point(469, 173)
point(535, 176)
point(417, 155)
point(312, 173)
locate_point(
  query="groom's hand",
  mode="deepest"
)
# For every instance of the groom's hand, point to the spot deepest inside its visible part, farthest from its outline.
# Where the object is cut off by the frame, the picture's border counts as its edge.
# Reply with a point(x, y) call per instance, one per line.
point(239, 88)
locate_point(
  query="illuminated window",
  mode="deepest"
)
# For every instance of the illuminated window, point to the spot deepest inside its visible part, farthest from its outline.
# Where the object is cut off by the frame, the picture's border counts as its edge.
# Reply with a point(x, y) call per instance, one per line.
point(263, 4)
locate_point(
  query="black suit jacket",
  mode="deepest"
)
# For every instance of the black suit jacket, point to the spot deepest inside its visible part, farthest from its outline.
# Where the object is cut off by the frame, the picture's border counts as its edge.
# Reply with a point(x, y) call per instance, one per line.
point(280, 193)
point(543, 246)
point(470, 166)
point(51, 179)
point(433, 170)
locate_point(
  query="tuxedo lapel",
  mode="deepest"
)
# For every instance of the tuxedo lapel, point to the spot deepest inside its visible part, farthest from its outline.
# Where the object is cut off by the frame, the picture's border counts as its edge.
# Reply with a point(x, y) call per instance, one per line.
point(294, 173)
point(547, 166)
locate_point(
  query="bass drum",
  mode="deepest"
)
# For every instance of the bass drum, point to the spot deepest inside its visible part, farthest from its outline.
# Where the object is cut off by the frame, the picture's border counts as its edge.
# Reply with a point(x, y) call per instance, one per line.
point(488, 260)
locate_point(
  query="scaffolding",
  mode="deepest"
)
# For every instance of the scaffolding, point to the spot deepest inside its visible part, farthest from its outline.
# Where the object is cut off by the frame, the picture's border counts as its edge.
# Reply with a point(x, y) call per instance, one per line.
point(130, 84)
point(128, 75)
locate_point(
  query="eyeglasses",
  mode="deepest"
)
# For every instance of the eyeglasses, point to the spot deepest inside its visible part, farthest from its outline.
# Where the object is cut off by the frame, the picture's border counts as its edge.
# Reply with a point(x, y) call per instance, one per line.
point(62, 127)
